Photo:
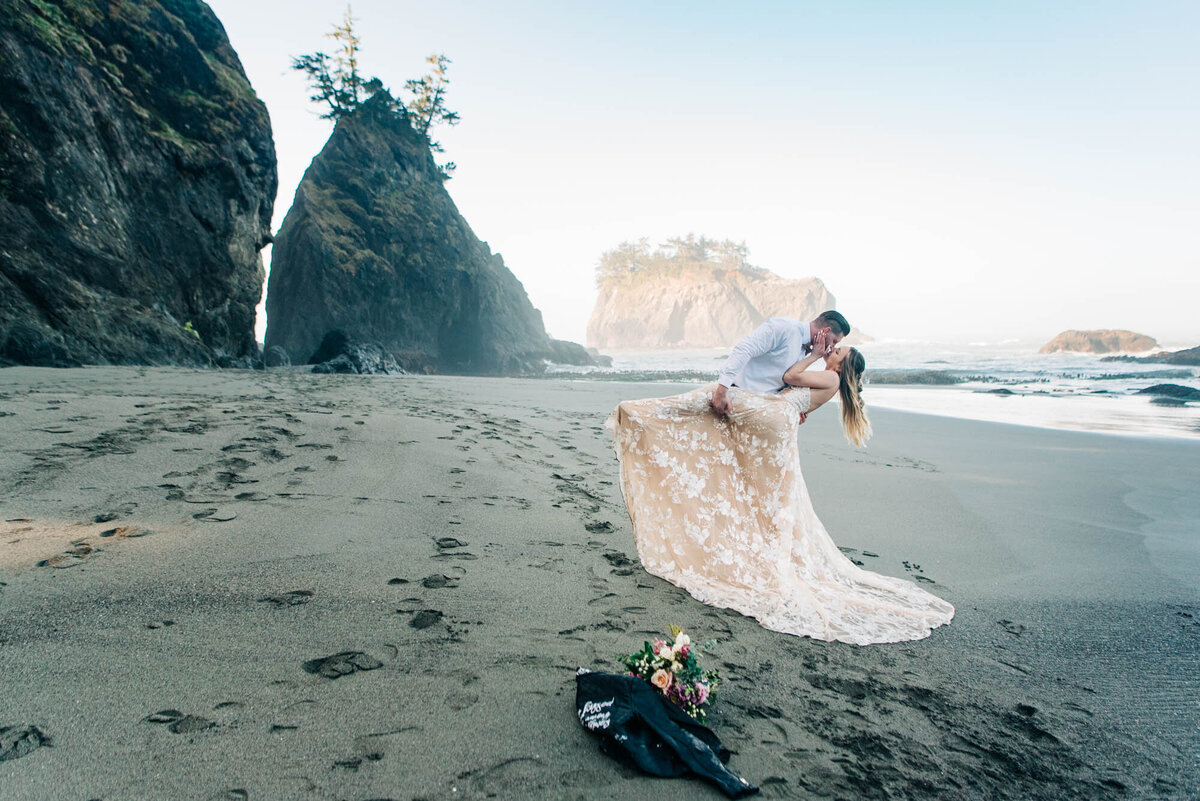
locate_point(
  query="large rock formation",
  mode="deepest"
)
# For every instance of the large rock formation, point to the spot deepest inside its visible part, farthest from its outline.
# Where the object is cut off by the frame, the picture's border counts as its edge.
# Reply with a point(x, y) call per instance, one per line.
point(373, 246)
point(1099, 341)
point(137, 176)
point(698, 308)
point(1187, 357)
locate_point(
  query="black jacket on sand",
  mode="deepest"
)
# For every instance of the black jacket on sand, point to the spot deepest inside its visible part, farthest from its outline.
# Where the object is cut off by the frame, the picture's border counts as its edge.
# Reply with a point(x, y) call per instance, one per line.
point(638, 726)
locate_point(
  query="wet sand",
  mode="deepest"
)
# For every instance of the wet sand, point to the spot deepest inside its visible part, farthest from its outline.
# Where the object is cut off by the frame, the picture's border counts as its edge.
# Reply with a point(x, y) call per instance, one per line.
point(228, 585)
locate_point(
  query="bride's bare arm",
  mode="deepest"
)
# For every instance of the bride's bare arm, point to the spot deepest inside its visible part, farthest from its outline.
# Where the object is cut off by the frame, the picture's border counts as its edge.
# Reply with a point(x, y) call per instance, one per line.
point(798, 375)
point(795, 376)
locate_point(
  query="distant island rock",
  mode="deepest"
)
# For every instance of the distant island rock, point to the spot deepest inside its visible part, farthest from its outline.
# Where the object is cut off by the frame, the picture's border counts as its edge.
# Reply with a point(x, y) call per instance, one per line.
point(1187, 357)
point(374, 247)
point(691, 293)
point(1099, 341)
point(137, 179)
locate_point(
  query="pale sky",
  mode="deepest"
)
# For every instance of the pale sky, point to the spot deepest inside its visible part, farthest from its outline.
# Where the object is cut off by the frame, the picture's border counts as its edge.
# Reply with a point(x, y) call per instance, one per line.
point(954, 171)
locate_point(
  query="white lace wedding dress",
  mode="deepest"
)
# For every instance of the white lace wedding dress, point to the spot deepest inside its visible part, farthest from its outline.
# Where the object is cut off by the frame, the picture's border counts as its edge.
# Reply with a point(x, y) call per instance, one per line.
point(719, 508)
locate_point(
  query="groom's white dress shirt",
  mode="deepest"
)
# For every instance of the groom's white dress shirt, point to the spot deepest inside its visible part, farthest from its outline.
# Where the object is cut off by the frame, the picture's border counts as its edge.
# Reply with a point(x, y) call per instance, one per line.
point(759, 361)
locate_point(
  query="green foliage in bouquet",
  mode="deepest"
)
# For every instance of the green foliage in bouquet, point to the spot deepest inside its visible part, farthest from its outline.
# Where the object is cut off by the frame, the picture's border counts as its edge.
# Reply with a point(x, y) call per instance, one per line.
point(671, 669)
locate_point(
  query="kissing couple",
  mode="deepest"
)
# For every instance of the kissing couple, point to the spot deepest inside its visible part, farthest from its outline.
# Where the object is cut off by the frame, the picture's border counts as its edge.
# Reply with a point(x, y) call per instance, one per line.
point(712, 482)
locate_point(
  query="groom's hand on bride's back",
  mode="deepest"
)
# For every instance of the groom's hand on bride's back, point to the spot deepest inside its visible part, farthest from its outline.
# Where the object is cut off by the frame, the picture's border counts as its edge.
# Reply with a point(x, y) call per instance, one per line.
point(720, 400)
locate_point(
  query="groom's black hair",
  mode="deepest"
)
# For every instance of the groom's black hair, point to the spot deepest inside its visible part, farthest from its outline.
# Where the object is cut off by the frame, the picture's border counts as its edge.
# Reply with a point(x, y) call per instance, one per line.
point(834, 320)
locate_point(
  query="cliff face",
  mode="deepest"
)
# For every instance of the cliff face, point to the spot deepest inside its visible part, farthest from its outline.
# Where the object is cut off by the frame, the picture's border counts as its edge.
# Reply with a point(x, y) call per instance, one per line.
point(374, 246)
point(1099, 341)
point(137, 177)
point(712, 309)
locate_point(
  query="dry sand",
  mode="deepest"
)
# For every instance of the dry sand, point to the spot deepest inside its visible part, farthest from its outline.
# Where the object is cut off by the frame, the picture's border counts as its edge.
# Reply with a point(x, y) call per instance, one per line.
point(459, 547)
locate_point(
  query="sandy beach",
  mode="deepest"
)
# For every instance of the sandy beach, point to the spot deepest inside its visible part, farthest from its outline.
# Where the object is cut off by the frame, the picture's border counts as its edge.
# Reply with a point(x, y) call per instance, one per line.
point(279, 585)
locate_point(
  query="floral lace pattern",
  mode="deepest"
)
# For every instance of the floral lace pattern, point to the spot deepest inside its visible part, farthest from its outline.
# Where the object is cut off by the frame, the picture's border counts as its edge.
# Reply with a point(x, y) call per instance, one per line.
point(719, 507)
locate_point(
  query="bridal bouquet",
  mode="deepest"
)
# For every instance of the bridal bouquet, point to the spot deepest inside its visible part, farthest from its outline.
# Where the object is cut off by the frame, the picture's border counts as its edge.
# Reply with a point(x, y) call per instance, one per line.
point(671, 668)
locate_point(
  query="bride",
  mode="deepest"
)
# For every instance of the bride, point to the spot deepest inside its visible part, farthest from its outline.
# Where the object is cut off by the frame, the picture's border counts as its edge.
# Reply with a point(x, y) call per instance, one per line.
point(719, 507)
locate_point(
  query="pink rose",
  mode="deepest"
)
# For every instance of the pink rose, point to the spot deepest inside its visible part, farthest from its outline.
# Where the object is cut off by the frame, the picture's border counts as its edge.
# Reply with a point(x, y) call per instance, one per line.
point(661, 679)
point(701, 692)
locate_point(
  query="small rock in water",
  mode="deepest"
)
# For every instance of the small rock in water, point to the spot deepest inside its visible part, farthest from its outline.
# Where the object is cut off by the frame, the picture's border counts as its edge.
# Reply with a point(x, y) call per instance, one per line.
point(1172, 391)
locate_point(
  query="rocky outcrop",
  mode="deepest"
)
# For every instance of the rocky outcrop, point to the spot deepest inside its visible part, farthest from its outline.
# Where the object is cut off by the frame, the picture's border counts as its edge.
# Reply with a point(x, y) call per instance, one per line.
point(137, 177)
point(1187, 357)
point(1177, 391)
point(340, 353)
point(709, 309)
point(1100, 341)
point(374, 246)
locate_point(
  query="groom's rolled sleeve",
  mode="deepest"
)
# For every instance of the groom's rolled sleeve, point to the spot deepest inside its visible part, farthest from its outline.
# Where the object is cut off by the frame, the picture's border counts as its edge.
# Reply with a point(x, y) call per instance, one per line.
point(759, 341)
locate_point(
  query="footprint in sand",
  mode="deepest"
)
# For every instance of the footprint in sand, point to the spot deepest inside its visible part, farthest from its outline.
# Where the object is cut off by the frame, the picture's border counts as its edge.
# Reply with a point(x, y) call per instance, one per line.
point(214, 516)
point(113, 514)
point(341, 664)
point(916, 572)
point(603, 527)
point(425, 618)
point(70, 558)
point(1015, 629)
point(19, 741)
point(458, 701)
point(448, 548)
point(293, 598)
point(179, 723)
point(228, 479)
point(850, 552)
point(622, 564)
point(126, 532)
point(1028, 720)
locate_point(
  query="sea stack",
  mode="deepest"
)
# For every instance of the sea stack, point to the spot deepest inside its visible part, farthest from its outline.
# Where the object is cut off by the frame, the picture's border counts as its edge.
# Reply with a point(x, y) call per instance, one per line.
point(137, 178)
point(1100, 341)
point(692, 293)
point(373, 246)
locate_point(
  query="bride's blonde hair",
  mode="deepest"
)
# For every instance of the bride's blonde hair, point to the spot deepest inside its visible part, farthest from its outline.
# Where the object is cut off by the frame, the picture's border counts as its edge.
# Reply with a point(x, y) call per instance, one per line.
point(850, 387)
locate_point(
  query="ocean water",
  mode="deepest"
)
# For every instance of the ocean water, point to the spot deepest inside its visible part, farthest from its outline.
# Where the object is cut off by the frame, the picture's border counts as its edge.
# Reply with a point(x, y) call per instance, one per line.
point(1007, 383)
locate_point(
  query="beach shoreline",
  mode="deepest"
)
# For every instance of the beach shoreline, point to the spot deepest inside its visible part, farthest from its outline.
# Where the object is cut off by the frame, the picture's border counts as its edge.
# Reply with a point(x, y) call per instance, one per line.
point(465, 537)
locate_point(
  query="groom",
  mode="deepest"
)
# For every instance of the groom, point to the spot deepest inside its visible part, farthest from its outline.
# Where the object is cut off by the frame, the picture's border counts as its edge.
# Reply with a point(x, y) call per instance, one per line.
point(759, 361)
